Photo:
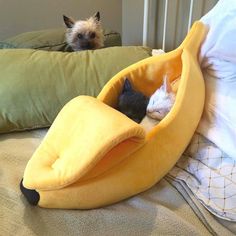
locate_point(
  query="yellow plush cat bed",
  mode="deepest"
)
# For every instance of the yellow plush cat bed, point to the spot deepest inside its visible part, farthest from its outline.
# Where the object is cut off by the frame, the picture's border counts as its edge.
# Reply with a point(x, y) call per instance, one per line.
point(94, 156)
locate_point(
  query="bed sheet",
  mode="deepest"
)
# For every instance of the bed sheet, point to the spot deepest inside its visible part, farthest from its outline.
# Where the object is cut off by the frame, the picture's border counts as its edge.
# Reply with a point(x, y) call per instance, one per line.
point(211, 176)
point(161, 210)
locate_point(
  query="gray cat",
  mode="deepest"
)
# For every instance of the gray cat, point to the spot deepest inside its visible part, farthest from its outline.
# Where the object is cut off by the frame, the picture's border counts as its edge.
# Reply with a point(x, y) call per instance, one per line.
point(132, 103)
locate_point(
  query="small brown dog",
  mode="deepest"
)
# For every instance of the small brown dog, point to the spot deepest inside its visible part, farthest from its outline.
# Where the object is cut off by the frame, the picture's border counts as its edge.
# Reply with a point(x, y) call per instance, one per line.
point(84, 34)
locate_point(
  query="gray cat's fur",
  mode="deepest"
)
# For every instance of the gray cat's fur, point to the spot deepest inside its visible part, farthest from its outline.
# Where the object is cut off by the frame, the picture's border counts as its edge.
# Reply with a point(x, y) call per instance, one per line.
point(132, 103)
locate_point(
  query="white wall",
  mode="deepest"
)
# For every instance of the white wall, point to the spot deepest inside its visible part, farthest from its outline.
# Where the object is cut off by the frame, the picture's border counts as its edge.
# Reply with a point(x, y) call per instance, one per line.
point(132, 22)
point(17, 16)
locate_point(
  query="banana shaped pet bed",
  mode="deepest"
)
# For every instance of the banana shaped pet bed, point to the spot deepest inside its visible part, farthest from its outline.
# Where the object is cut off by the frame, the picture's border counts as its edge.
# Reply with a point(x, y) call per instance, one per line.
point(93, 155)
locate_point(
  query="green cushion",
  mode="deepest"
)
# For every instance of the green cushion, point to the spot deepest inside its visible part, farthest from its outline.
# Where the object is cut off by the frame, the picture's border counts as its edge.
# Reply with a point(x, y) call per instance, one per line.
point(35, 84)
point(52, 40)
point(6, 45)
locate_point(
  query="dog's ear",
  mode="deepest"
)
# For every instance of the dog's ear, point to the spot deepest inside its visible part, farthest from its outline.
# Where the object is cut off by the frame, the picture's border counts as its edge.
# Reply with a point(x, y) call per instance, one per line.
point(96, 16)
point(68, 21)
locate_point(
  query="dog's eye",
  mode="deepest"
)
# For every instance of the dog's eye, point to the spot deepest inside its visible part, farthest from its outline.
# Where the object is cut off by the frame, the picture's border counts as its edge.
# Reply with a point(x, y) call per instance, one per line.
point(92, 35)
point(80, 36)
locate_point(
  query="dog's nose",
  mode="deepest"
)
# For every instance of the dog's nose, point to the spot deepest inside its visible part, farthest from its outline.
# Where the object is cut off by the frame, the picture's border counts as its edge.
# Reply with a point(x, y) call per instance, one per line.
point(87, 45)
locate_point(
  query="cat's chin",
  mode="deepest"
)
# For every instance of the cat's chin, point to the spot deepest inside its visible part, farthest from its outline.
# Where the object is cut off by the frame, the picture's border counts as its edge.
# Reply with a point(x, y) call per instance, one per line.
point(156, 115)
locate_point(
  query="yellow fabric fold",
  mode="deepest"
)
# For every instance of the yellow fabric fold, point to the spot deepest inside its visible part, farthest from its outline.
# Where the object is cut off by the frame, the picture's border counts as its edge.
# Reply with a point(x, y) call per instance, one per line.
point(84, 132)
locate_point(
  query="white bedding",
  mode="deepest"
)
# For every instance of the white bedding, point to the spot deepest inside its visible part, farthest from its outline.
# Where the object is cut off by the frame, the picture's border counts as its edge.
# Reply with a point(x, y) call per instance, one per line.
point(218, 63)
point(211, 176)
point(208, 166)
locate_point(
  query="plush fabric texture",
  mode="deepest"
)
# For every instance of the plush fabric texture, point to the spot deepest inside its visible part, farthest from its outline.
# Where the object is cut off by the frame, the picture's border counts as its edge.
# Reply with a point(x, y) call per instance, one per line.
point(35, 84)
point(74, 139)
point(95, 182)
point(52, 40)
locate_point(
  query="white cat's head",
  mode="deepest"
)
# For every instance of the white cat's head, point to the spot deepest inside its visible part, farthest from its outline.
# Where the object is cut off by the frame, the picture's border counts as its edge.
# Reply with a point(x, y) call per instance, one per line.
point(161, 101)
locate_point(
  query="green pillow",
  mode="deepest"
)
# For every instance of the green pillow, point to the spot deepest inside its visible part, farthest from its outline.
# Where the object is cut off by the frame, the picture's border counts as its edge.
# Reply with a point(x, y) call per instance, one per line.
point(52, 40)
point(35, 84)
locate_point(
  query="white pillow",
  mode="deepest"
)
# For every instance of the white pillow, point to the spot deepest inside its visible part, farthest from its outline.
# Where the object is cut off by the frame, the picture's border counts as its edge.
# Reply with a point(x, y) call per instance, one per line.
point(218, 122)
point(218, 63)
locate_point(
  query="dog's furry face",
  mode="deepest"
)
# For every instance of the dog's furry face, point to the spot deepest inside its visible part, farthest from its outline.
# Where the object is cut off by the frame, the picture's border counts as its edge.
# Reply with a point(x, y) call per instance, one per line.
point(84, 34)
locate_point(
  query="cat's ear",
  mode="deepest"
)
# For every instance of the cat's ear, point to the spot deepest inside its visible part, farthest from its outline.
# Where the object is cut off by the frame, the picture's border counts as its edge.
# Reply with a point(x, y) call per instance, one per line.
point(127, 85)
point(166, 85)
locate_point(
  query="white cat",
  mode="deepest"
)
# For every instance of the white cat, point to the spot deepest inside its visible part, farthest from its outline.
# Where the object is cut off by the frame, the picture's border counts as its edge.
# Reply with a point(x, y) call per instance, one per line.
point(160, 104)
